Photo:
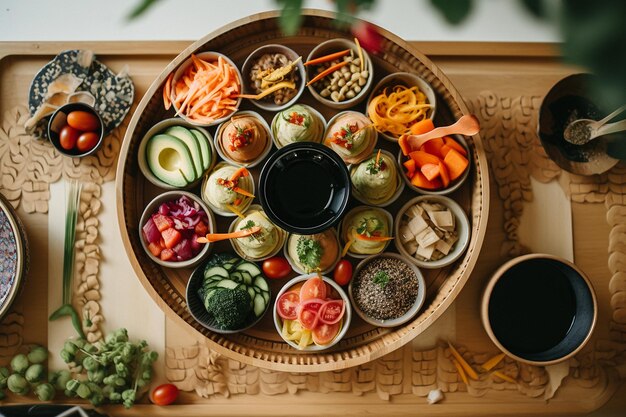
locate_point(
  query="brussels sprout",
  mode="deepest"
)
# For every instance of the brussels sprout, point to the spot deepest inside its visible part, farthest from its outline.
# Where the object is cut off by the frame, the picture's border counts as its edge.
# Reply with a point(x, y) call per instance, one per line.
point(67, 356)
point(83, 391)
point(4, 375)
point(19, 363)
point(72, 385)
point(70, 347)
point(38, 354)
point(90, 364)
point(62, 378)
point(18, 384)
point(45, 392)
point(35, 373)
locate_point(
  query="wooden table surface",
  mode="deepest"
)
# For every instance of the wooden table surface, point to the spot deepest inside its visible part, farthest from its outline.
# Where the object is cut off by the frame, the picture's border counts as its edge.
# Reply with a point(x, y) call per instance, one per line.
point(503, 84)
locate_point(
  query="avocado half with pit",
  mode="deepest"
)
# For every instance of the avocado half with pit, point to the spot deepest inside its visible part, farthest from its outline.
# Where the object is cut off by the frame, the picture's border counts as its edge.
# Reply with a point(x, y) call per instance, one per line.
point(178, 156)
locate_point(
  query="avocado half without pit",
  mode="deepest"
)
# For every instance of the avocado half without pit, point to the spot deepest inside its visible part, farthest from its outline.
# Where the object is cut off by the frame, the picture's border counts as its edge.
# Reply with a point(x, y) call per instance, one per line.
point(178, 155)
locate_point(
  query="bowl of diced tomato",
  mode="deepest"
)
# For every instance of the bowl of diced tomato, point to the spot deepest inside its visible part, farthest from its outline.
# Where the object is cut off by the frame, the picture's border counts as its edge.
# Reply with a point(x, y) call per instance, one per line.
point(170, 226)
point(438, 167)
point(312, 313)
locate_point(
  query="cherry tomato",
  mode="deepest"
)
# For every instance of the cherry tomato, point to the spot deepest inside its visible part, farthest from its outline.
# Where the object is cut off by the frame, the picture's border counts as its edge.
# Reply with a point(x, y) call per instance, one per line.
point(323, 334)
point(308, 313)
point(343, 272)
point(87, 141)
point(313, 288)
point(83, 120)
point(276, 267)
point(332, 311)
point(287, 304)
point(164, 394)
point(68, 137)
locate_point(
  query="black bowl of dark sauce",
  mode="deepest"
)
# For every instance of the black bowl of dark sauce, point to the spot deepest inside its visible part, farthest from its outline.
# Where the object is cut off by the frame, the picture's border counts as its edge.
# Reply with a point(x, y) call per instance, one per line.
point(571, 99)
point(305, 188)
point(539, 309)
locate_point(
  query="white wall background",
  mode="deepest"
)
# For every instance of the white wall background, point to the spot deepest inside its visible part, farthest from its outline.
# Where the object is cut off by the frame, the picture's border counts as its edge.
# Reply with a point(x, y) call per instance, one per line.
point(38, 20)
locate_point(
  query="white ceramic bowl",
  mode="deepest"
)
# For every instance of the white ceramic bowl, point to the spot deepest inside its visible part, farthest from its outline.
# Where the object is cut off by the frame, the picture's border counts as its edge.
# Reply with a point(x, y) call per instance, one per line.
point(233, 226)
point(419, 299)
point(153, 207)
point(347, 318)
point(262, 155)
point(313, 111)
point(332, 121)
point(462, 230)
point(158, 128)
point(394, 197)
point(296, 267)
point(329, 47)
point(455, 185)
point(218, 210)
point(254, 56)
point(341, 226)
point(212, 56)
point(406, 79)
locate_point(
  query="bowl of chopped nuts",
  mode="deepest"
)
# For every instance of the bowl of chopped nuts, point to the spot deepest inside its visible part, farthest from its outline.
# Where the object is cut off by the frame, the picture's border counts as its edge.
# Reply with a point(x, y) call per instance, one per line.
point(387, 290)
point(432, 231)
point(339, 73)
point(276, 73)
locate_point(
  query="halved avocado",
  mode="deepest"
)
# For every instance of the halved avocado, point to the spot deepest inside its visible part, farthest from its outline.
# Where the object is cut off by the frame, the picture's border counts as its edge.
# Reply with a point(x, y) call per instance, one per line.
point(192, 143)
point(204, 147)
point(170, 160)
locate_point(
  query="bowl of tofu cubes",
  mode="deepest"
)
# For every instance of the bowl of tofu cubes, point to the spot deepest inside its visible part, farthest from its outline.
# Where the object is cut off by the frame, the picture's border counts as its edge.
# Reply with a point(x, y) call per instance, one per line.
point(432, 231)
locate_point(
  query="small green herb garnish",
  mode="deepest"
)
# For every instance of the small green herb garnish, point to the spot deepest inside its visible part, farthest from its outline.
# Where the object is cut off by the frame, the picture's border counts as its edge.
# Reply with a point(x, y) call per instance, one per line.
point(374, 168)
point(309, 252)
point(381, 278)
point(249, 225)
point(370, 226)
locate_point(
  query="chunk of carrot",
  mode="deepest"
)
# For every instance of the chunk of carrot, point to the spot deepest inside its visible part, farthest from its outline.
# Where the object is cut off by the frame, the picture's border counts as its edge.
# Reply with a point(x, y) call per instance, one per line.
point(420, 181)
point(444, 150)
point(404, 145)
point(433, 147)
point(422, 158)
point(422, 126)
point(410, 167)
point(455, 145)
point(444, 174)
point(456, 163)
point(155, 249)
point(430, 171)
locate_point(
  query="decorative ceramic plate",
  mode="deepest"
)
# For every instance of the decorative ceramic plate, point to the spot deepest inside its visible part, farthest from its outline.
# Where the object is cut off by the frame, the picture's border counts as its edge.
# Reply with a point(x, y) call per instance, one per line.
point(113, 93)
point(12, 256)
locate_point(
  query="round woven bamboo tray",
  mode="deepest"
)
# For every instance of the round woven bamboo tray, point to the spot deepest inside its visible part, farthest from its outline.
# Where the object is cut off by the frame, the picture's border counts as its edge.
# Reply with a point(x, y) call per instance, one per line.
point(261, 346)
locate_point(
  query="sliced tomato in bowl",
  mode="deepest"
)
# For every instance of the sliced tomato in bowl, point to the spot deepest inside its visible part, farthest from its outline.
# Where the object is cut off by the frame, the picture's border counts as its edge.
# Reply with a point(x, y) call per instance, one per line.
point(324, 333)
point(287, 305)
point(332, 311)
point(313, 288)
point(308, 312)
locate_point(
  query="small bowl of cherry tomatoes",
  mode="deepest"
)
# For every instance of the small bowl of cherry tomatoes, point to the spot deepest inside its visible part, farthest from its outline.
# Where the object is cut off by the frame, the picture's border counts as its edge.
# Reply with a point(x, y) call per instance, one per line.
point(312, 313)
point(76, 130)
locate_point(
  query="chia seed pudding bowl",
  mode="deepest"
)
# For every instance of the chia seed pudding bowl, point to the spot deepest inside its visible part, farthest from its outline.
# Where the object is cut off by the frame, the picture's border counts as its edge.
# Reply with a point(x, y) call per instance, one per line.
point(387, 290)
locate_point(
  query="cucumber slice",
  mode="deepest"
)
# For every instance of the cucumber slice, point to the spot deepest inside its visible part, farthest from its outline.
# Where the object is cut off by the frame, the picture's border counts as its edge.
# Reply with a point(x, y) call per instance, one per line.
point(227, 283)
point(261, 283)
point(236, 276)
point(229, 265)
point(251, 292)
point(250, 268)
point(247, 278)
point(266, 296)
point(216, 270)
point(259, 305)
point(242, 287)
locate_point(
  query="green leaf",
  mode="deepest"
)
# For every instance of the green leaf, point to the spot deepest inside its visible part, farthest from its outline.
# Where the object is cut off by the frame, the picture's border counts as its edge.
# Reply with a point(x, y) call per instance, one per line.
point(290, 17)
point(141, 8)
point(454, 11)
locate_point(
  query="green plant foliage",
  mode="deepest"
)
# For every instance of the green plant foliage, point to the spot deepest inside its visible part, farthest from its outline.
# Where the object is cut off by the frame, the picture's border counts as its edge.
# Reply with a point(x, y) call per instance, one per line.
point(454, 11)
point(291, 16)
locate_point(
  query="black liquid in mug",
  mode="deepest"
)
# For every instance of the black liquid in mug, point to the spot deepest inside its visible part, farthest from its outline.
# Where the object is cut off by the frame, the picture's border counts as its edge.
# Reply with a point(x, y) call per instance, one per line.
point(532, 307)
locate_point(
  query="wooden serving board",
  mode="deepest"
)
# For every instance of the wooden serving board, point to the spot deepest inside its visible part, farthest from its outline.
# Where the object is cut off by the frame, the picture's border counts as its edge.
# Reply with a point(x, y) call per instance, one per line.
point(503, 84)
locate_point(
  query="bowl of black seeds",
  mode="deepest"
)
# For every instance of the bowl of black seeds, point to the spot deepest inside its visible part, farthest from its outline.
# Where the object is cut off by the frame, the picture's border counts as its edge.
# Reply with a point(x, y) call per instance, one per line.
point(387, 290)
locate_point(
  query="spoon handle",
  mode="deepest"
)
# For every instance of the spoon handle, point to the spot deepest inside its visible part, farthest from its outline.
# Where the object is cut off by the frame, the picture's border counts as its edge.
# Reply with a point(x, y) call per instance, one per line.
point(416, 141)
point(602, 122)
point(611, 128)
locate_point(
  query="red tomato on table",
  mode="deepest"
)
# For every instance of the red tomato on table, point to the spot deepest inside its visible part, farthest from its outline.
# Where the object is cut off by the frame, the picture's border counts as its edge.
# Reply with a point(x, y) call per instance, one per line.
point(68, 137)
point(343, 272)
point(87, 141)
point(164, 394)
point(276, 267)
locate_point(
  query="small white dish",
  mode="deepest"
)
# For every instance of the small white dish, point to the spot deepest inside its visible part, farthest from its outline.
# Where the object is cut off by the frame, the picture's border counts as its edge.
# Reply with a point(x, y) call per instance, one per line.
point(400, 187)
point(261, 157)
point(343, 233)
point(282, 236)
point(218, 210)
point(296, 267)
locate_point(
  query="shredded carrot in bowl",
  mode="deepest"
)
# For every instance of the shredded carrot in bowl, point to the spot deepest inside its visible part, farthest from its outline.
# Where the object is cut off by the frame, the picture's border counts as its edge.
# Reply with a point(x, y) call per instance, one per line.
point(205, 92)
point(395, 109)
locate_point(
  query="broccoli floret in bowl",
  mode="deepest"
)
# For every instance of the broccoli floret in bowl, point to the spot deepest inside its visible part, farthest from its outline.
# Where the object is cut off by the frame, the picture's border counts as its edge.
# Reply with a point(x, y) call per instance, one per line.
point(230, 308)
